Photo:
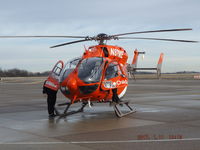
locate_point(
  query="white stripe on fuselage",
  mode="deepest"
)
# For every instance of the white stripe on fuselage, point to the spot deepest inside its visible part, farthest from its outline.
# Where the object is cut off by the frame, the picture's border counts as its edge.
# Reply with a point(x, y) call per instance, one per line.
point(123, 92)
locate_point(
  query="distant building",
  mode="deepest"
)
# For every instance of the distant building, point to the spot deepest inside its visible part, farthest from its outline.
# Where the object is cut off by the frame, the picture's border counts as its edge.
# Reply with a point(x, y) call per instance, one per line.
point(197, 77)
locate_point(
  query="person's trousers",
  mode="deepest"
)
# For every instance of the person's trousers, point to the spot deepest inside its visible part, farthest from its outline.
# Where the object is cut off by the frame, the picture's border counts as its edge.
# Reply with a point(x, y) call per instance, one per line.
point(51, 101)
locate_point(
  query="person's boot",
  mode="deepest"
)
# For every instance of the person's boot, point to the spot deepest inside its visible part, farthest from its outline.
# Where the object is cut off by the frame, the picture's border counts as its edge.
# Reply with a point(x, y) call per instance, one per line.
point(52, 116)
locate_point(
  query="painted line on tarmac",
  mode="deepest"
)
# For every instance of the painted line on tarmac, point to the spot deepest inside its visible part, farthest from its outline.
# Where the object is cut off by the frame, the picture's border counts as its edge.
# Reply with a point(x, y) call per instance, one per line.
point(101, 142)
point(35, 82)
point(24, 83)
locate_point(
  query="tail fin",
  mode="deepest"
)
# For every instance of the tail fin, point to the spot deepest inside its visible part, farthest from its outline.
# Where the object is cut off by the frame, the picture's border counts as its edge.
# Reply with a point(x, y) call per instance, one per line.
point(135, 58)
point(159, 65)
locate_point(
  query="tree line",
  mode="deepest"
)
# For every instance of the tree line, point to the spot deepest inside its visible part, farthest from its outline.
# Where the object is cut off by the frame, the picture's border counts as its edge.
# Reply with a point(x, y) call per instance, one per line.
point(21, 73)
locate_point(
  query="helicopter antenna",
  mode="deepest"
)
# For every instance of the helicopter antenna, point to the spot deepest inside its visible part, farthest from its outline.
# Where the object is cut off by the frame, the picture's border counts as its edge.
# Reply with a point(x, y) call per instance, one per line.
point(85, 48)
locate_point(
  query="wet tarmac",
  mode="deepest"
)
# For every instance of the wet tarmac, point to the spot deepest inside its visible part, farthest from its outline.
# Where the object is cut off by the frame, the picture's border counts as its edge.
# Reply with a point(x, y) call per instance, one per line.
point(167, 117)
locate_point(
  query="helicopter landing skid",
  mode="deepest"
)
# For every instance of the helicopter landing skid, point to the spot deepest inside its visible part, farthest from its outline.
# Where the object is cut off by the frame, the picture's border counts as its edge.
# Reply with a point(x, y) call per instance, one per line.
point(66, 113)
point(119, 113)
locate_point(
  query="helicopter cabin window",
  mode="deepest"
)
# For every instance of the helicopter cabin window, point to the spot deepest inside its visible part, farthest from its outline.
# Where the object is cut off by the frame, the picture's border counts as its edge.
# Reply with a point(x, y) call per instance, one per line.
point(90, 70)
point(69, 67)
point(57, 69)
point(112, 71)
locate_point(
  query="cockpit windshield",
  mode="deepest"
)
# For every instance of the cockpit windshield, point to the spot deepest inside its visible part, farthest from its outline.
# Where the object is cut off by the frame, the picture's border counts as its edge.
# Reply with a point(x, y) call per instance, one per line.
point(69, 67)
point(90, 69)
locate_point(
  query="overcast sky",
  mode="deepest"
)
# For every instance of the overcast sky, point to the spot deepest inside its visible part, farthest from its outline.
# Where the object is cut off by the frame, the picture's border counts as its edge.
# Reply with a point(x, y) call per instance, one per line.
point(90, 17)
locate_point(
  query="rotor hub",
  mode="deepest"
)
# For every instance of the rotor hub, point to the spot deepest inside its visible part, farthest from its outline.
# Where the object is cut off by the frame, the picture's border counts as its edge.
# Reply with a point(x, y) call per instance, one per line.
point(101, 38)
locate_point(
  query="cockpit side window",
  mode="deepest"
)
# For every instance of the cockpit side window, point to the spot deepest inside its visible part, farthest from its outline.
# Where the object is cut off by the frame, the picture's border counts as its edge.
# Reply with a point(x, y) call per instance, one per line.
point(69, 67)
point(112, 71)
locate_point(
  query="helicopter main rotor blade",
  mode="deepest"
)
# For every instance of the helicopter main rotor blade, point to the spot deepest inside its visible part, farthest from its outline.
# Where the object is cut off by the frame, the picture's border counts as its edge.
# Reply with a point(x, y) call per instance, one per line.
point(43, 36)
point(141, 38)
point(63, 44)
point(168, 30)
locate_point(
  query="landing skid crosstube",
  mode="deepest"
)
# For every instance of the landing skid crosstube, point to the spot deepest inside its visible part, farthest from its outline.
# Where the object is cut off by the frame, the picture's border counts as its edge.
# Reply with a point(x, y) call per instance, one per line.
point(116, 107)
point(66, 113)
point(119, 113)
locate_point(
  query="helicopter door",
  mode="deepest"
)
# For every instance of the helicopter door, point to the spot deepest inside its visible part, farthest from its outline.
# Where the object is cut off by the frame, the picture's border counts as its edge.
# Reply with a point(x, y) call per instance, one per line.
point(53, 79)
point(114, 78)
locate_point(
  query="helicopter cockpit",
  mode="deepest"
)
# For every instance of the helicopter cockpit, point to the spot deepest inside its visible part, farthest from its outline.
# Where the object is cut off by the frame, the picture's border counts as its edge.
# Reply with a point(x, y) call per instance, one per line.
point(90, 69)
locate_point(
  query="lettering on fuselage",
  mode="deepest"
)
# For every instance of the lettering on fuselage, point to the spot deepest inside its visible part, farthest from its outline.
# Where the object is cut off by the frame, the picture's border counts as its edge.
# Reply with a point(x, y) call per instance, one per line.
point(119, 82)
point(116, 52)
point(110, 84)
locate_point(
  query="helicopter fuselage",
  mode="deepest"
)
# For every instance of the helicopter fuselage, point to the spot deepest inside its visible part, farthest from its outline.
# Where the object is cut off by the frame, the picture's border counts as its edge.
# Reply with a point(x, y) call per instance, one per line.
point(101, 69)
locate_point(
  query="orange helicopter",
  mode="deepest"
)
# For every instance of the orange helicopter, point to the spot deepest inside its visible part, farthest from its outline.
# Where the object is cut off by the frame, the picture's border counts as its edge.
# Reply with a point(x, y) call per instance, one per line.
point(92, 77)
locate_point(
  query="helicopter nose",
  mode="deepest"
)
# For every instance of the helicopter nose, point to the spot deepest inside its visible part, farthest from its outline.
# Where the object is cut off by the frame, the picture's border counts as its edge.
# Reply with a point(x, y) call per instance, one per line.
point(72, 84)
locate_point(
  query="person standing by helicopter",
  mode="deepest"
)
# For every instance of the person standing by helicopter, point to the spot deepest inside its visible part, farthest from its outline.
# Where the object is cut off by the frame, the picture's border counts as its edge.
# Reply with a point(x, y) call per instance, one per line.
point(51, 98)
point(51, 86)
point(115, 97)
